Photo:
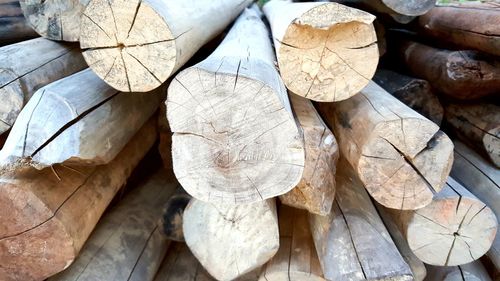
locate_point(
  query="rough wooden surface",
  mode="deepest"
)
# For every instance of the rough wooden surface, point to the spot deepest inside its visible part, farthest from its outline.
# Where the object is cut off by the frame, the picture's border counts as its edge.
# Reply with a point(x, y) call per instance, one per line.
point(326, 51)
point(165, 143)
point(391, 11)
point(401, 157)
point(13, 26)
point(48, 215)
point(474, 271)
point(28, 66)
point(135, 45)
point(172, 215)
point(235, 138)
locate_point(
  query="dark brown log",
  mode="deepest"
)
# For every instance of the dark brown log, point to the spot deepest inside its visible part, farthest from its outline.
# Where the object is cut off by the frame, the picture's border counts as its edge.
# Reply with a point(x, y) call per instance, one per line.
point(172, 215)
point(13, 25)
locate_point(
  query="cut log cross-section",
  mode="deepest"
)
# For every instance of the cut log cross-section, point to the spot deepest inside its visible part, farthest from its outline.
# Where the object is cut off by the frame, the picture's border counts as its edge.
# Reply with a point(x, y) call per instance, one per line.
point(135, 45)
point(401, 157)
point(474, 271)
point(326, 51)
point(235, 138)
point(172, 215)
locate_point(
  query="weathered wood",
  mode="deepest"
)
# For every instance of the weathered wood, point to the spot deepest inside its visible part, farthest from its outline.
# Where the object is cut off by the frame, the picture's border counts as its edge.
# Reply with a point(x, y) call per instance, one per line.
point(326, 51)
point(231, 240)
point(172, 215)
point(454, 229)
point(235, 138)
point(165, 143)
point(401, 157)
point(393, 10)
point(127, 244)
point(296, 258)
point(13, 26)
point(415, 93)
point(477, 125)
point(28, 66)
point(135, 45)
point(474, 271)
point(352, 242)
point(462, 75)
point(48, 215)
point(77, 120)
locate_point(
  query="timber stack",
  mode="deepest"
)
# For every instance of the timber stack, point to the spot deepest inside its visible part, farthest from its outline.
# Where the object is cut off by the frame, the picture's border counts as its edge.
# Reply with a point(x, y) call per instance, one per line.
point(230, 140)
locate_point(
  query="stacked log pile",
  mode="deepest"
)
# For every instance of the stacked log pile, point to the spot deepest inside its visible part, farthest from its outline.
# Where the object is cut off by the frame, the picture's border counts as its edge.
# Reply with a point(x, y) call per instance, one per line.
point(308, 142)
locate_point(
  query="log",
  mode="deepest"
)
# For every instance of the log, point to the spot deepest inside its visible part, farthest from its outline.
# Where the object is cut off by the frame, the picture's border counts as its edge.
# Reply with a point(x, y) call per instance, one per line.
point(473, 271)
point(401, 12)
point(415, 93)
point(13, 26)
point(172, 215)
point(463, 75)
point(231, 240)
point(296, 258)
point(477, 125)
point(326, 51)
point(401, 157)
point(76, 120)
point(454, 229)
point(468, 26)
point(352, 242)
point(136, 45)
point(165, 143)
point(48, 215)
point(127, 244)
point(253, 151)
point(21, 77)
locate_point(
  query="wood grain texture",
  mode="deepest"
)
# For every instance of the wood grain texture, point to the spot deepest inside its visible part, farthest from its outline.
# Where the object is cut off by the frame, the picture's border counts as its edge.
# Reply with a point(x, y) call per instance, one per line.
point(13, 26)
point(172, 215)
point(235, 138)
point(135, 45)
point(473, 271)
point(326, 51)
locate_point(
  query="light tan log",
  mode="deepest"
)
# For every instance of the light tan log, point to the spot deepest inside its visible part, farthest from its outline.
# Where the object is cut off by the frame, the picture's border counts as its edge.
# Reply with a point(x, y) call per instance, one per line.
point(13, 26)
point(77, 120)
point(401, 157)
point(326, 51)
point(352, 242)
point(172, 215)
point(473, 271)
point(483, 180)
point(415, 93)
point(478, 125)
point(454, 229)
point(296, 258)
point(28, 66)
point(235, 138)
point(48, 215)
point(127, 244)
point(135, 45)
point(231, 240)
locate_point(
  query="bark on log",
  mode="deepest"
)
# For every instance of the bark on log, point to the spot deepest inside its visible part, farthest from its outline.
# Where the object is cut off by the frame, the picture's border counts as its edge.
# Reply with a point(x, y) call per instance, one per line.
point(13, 26)
point(172, 215)
point(231, 240)
point(477, 125)
point(474, 271)
point(136, 45)
point(28, 66)
point(401, 157)
point(296, 258)
point(470, 27)
point(48, 215)
point(415, 93)
point(326, 51)
point(235, 138)
point(455, 229)
point(352, 242)
point(77, 120)
point(462, 75)
point(127, 244)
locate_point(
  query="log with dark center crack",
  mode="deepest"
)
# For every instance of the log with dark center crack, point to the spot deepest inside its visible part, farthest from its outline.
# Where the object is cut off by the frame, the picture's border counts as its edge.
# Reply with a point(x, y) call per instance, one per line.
point(13, 25)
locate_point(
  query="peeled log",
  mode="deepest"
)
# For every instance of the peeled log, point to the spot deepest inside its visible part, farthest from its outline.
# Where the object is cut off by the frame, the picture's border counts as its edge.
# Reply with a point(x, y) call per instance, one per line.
point(13, 26)
point(77, 120)
point(48, 215)
point(326, 51)
point(235, 138)
point(231, 240)
point(172, 215)
point(126, 244)
point(28, 66)
point(401, 157)
point(474, 271)
point(135, 45)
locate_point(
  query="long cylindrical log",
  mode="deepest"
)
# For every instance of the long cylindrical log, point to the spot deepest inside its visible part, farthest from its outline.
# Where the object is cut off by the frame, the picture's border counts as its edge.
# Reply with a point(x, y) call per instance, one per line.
point(473, 271)
point(13, 26)
point(296, 258)
point(235, 138)
point(352, 242)
point(415, 93)
point(127, 244)
point(231, 240)
point(28, 66)
point(454, 229)
point(48, 215)
point(172, 215)
point(462, 75)
point(135, 45)
point(401, 157)
point(326, 51)
point(477, 125)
